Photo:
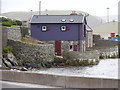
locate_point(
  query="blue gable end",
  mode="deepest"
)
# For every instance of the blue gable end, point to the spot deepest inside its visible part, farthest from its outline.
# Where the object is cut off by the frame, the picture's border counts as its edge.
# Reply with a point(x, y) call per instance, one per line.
point(75, 31)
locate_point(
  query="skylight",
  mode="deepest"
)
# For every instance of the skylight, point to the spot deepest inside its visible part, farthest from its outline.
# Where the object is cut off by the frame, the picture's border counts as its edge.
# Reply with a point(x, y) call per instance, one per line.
point(71, 20)
point(63, 20)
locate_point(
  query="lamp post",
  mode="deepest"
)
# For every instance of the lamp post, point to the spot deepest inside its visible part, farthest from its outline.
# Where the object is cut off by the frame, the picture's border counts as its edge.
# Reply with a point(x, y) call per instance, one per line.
point(108, 14)
point(46, 12)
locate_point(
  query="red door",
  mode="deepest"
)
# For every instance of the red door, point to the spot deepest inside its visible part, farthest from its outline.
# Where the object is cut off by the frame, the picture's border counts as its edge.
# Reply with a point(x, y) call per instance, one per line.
point(58, 48)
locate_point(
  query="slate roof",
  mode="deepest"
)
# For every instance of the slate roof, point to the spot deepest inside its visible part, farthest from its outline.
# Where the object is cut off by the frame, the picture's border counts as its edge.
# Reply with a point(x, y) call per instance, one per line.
point(57, 19)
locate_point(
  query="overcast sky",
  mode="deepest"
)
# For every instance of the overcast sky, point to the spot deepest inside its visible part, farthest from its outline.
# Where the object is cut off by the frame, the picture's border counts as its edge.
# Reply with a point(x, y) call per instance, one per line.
point(94, 7)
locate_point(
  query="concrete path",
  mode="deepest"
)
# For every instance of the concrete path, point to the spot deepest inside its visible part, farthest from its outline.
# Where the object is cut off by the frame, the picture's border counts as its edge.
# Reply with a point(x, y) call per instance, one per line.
point(6, 84)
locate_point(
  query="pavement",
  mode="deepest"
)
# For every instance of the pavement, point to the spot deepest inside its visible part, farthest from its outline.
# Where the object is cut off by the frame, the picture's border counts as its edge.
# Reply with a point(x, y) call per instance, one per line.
point(8, 84)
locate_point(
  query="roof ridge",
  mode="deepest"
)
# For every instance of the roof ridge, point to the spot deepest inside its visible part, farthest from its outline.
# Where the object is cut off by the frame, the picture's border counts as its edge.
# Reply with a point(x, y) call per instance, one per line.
point(58, 15)
point(57, 19)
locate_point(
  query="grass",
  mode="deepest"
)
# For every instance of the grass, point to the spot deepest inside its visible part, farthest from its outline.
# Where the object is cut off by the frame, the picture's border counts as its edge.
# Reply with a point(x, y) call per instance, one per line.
point(32, 41)
point(7, 49)
point(14, 26)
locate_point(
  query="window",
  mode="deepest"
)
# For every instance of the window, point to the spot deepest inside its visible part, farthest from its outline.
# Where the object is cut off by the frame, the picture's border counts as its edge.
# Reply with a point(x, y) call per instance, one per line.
point(44, 28)
point(63, 28)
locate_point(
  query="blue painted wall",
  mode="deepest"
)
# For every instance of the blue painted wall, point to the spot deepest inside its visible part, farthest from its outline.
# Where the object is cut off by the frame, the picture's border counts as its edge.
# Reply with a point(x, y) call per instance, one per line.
point(55, 32)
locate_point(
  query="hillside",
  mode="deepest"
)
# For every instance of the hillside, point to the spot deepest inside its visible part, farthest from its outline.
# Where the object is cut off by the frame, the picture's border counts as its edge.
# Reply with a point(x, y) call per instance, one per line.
point(105, 29)
point(92, 20)
point(111, 17)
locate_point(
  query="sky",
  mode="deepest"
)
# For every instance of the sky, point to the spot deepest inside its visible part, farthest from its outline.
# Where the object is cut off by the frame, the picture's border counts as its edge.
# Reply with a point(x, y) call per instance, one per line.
point(93, 7)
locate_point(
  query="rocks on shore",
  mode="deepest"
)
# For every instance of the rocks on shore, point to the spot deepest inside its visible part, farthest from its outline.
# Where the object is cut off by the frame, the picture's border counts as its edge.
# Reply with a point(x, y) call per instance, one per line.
point(9, 62)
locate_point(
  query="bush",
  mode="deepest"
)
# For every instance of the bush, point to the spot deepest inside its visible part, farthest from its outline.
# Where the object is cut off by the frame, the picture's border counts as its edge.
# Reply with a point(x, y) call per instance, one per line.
point(13, 23)
point(7, 49)
point(18, 22)
point(6, 24)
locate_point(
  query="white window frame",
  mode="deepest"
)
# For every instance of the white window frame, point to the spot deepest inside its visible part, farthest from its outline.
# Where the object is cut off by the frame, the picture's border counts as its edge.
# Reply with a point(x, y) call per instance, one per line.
point(44, 28)
point(63, 29)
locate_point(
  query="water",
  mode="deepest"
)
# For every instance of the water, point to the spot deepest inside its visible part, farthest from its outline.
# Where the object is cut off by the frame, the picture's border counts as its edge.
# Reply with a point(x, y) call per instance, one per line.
point(107, 68)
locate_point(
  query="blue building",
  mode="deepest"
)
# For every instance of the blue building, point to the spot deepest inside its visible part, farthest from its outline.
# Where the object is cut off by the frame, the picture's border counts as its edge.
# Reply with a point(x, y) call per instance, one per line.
point(58, 27)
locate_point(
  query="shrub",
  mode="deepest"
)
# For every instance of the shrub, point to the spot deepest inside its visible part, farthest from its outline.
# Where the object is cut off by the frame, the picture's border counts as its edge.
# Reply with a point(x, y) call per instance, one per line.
point(9, 22)
point(13, 23)
point(7, 49)
point(6, 24)
point(18, 22)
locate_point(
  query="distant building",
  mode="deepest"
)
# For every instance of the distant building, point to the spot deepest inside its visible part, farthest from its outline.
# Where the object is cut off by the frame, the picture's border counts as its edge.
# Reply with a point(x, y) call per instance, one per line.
point(69, 29)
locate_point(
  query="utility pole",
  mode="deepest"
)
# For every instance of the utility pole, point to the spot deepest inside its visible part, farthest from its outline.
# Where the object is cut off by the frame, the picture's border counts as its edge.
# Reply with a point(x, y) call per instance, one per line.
point(46, 12)
point(39, 7)
point(31, 12)
point(108, 14)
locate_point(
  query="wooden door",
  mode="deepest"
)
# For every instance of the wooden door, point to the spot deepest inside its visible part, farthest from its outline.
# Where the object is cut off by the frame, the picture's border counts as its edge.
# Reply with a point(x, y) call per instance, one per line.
point(58, 48)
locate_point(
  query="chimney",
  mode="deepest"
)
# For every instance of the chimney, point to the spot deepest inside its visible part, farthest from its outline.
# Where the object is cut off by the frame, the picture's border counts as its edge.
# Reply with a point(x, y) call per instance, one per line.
point(73, 13)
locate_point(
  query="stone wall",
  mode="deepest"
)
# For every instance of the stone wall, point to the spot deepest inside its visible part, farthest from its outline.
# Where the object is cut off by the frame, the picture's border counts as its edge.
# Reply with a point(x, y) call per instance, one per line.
point(103, 43)
point(89, 38)
point(3, 33)
point(24, 31)
point(98, 42)
point(107, 52)
point(82, 46)
point(14, 33)
point(32, 54)
point(82, 58)
point(3, 40)
point(65, 46)
point(0, 46)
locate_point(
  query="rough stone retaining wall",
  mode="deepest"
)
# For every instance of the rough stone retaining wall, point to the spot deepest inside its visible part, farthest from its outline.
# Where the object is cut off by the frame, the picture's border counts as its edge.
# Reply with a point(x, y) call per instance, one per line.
point(102, 43)
point(3, 33)
point(3, 40)
point(61, 81)
point(84, 55)
point(107, 52)
point(87, 58)
point(32, 54)
point(14, 33)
